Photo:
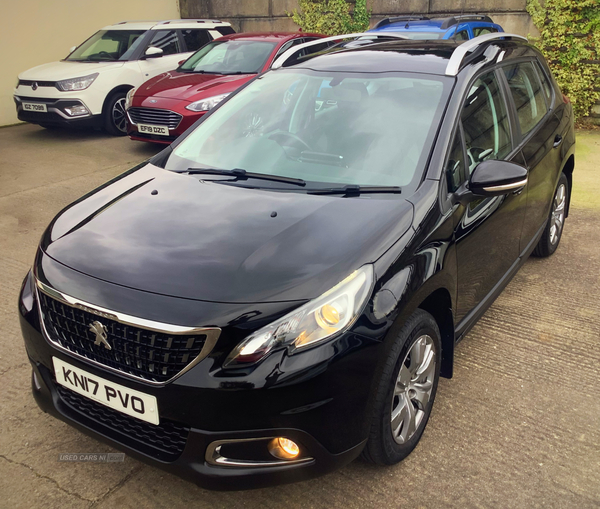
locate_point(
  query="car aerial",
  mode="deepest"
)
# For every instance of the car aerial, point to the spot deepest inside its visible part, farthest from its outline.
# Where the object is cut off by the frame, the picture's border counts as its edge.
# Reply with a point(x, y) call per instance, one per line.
point(88, 87)
point(163, 107)
point(460, 28)
point(279, 290)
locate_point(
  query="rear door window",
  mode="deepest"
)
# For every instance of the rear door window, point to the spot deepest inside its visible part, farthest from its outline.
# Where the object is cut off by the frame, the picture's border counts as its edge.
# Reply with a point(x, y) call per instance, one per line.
point(527, 94)
point(225, 30)
point(167, 40)
point(483, 30)
point(195, 39)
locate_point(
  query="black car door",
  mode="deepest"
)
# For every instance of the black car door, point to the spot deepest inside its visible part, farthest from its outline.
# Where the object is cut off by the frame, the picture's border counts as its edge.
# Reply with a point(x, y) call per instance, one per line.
point(487, 230)
point(538, 128)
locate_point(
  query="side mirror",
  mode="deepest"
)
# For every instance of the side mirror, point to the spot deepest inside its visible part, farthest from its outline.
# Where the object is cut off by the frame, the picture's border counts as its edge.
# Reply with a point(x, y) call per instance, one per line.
point(181, 62)
point(495, 178)
point(153, 52)
point(73, 48)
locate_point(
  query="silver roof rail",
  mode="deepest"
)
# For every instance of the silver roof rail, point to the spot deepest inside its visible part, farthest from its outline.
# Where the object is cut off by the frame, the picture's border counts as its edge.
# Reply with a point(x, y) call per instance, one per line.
point(374, 35)
point(190, 20)
point(471, 45)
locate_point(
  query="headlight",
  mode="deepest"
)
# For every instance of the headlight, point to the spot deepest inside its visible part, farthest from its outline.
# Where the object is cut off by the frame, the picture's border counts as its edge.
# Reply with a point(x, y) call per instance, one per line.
point(76, 83)
point(206, 104)
point(312, 323)
point(129, 98)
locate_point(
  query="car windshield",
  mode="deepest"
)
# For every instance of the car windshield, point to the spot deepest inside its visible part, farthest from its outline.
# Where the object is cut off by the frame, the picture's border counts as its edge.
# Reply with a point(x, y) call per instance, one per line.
point(229, 57)
point(341, 128)
point(108, 45)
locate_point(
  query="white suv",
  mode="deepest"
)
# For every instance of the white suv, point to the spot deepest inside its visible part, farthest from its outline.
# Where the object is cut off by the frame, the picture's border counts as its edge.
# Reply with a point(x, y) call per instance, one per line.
point(88, 88)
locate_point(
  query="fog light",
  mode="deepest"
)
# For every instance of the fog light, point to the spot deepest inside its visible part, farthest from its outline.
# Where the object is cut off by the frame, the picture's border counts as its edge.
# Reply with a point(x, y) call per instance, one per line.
point(76, 111)
point(284, 448)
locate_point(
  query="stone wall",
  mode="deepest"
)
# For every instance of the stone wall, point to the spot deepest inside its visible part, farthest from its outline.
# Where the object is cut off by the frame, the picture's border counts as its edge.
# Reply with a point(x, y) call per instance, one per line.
point(270, 15)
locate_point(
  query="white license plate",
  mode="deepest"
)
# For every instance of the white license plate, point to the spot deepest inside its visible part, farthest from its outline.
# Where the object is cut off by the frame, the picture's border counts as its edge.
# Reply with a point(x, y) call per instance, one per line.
point(161, 130)
point(40, 107)
point(115, 396)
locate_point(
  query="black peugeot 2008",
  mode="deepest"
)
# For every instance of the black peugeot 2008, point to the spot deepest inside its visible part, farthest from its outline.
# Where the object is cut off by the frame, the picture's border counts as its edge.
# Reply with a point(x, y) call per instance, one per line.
point(280, 290)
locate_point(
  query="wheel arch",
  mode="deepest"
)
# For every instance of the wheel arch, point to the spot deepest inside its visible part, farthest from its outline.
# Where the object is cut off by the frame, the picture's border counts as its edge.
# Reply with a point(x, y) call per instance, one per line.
point(567, 169)
point(439, 305)
point(115, 90)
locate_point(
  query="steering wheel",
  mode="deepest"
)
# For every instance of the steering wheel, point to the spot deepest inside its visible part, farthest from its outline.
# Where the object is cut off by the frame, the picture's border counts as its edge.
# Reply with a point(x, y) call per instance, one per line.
point(104, 54)
point(290, 135)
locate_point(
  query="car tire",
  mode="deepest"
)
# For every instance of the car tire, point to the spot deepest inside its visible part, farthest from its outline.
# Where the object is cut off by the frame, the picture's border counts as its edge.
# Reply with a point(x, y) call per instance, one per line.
point(403, 401)
point(556, 221)
point(115, 119)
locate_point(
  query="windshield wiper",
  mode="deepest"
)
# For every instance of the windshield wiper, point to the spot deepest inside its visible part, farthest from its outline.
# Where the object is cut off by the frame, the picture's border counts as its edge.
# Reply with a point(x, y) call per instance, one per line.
point(243, 174)
point(355, 190)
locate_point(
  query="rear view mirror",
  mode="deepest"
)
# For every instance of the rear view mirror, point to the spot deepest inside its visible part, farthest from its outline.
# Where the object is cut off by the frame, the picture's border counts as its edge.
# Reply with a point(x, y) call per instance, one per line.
point(153, 52)
point(495, 178)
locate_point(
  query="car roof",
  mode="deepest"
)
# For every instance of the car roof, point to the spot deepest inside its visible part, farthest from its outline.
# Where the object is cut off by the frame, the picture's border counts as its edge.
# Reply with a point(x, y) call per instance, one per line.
point(417, 24)
point(398, 55)
point(268, 36)
point(168, 23)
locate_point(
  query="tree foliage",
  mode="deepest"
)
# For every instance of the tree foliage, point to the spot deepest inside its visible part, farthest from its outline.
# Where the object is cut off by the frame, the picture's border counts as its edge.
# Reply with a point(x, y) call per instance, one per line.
point(331, 17)
point(570, 41)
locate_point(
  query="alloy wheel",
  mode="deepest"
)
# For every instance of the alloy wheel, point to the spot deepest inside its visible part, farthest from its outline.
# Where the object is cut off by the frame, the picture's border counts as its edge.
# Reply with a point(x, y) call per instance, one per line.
point(557, 217)
point(119, 117)
point(412, 389)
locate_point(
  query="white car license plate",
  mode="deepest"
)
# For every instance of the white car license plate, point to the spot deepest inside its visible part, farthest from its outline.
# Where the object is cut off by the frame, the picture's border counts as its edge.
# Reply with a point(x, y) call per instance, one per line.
point(40, 107)
point(161, 130)
point(115, 396)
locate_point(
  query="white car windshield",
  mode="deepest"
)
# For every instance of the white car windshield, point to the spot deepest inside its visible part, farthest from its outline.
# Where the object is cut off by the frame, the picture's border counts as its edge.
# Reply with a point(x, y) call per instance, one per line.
point(229, 57)
point(342, 128)
point(107, 45)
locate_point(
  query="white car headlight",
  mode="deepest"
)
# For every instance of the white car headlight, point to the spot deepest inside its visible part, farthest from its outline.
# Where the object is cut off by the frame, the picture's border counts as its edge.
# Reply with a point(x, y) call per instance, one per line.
point(317, 320)
point(129, 98)
point(206, 104)
point(76, 83)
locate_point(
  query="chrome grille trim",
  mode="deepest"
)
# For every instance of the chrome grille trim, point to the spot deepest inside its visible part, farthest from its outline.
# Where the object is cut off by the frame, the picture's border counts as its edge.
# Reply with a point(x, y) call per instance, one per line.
point(154, 116)
point(212, 333)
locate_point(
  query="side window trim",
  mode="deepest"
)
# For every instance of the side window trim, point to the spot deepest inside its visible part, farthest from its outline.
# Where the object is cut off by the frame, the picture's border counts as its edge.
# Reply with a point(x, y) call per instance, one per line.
point(513, 121)
point(538, 70)
point(182, 44)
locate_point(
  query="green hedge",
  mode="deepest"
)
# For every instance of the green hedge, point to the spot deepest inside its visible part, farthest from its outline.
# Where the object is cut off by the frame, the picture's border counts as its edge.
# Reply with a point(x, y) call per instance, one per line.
point(331, 17)
point(570, 41)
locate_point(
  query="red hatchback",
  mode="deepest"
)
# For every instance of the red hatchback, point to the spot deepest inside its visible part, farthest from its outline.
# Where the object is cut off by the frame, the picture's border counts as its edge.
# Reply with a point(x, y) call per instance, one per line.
point(163, 107)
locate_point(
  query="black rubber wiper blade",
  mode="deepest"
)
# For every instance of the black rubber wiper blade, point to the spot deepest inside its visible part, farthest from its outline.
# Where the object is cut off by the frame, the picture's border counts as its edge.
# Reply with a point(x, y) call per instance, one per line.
point(243, 174)
point(355, 190)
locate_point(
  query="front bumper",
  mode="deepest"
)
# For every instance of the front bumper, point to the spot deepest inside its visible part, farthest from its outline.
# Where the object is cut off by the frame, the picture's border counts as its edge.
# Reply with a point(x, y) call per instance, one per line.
point(322, 408)
point(57, 113)
point(188, 119)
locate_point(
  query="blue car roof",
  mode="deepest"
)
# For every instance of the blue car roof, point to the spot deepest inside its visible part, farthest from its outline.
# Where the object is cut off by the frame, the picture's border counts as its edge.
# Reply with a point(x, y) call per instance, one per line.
point(439, 25)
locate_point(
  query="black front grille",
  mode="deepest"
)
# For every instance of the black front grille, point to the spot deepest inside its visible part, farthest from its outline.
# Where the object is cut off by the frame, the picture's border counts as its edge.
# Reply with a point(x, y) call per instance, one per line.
point(154, 356)
point(154, 116)
point(28, 83)
point(164, 442)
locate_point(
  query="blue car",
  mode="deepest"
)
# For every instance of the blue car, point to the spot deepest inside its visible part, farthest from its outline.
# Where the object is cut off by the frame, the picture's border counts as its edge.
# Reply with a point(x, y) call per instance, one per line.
point(460, 28)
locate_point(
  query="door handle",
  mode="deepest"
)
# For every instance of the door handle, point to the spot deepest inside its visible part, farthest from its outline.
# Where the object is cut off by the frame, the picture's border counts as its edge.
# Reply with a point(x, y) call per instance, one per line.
point(557, 140)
